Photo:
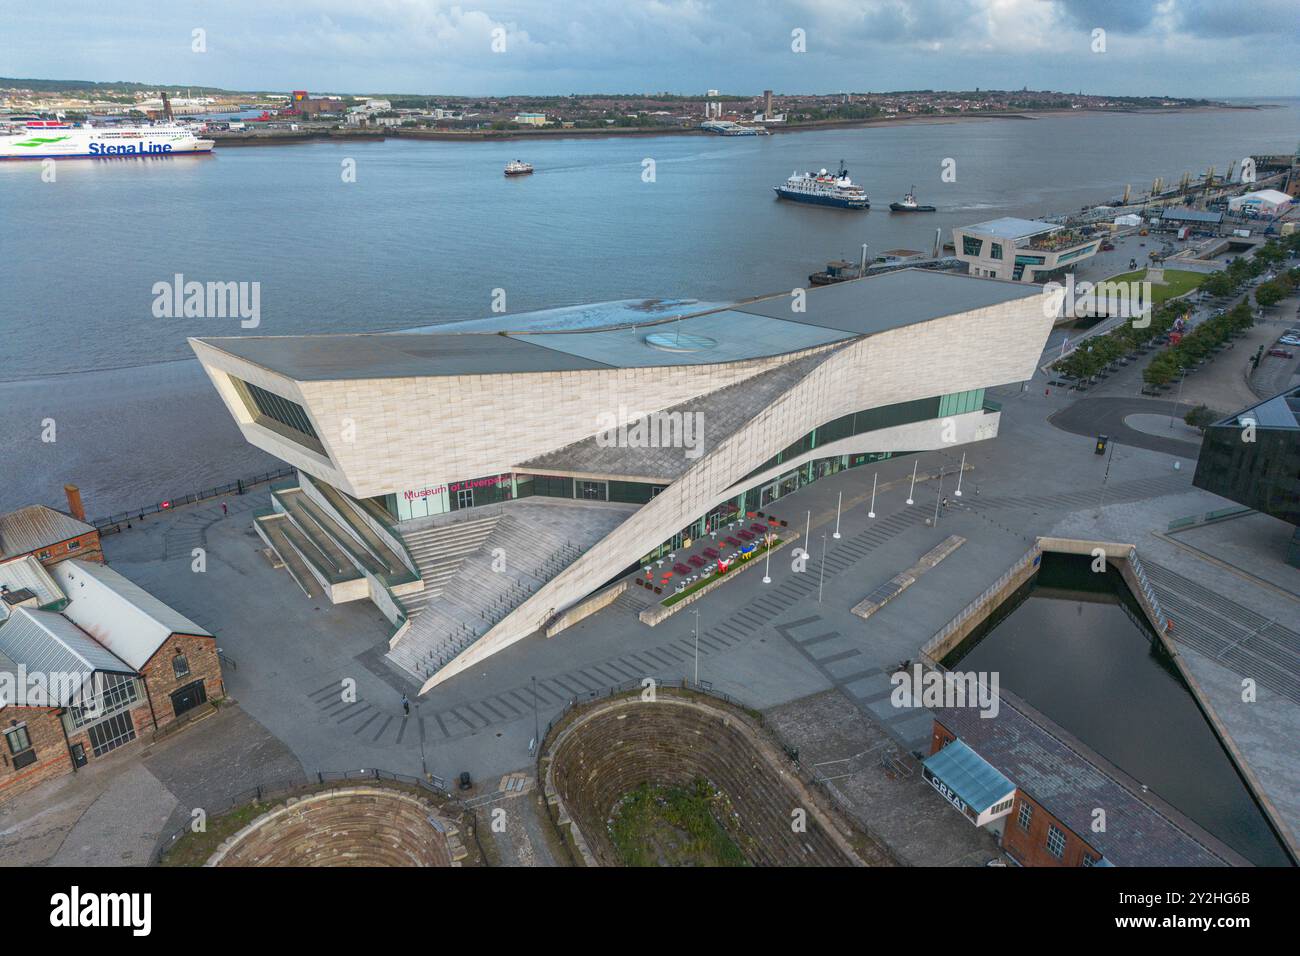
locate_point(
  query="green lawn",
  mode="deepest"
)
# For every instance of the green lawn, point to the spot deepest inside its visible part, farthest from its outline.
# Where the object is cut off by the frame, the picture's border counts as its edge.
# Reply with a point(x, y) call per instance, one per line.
point(673, 826)
point(1177, 282)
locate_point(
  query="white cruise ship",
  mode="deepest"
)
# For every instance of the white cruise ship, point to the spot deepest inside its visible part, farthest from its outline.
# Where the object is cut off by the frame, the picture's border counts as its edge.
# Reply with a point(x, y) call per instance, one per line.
point(51, 139)
point(824, 189)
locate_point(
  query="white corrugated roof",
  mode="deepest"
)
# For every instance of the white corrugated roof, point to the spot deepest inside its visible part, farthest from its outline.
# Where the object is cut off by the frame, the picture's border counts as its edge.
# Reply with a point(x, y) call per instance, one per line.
point(27, 572)
point(118, 613)
point(1266, 195)
point(36, 527)
point(50, 644)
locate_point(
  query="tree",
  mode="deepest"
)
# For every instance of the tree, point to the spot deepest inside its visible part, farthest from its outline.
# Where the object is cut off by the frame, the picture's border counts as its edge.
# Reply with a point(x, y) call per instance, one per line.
point(1200, 417)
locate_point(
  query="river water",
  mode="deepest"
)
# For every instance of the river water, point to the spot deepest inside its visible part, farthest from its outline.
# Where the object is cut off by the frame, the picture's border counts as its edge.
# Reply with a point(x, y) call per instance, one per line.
point(429, 231)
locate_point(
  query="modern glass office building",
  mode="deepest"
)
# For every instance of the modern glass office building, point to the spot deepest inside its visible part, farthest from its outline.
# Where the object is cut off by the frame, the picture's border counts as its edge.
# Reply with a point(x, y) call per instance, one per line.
point(1253, 458)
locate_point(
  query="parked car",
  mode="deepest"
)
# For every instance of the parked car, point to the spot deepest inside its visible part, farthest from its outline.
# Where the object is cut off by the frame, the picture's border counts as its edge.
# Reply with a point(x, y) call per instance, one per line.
point(1281, 353)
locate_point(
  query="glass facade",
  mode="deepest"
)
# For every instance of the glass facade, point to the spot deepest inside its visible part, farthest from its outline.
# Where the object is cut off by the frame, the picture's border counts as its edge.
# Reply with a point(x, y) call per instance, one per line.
point(971, 246)
point(439, 499)
point(113, 693)
point(468, 494)
point(1263, 474)
point(279, 414)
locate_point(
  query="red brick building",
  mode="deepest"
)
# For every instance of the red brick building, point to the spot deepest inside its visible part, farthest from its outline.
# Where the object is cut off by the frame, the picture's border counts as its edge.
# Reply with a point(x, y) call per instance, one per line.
point(113, 666)
point(1070, 806)
point(50, 536)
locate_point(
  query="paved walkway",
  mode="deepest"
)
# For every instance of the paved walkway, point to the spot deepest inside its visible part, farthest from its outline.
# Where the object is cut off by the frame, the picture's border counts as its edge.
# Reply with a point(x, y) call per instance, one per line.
point(117, 810)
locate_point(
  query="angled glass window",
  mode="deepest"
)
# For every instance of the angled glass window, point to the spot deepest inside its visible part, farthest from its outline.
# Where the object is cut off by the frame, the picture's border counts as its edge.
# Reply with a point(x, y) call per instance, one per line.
point(279, 414)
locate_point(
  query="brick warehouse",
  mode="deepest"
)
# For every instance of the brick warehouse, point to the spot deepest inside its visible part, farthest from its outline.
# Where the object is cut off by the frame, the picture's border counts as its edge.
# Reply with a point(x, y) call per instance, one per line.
point(115, 664)
point(1038, 789)
point(51, 536)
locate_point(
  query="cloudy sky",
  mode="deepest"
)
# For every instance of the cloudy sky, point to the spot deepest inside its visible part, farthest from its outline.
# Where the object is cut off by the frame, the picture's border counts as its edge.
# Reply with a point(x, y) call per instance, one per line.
point(1175, 47)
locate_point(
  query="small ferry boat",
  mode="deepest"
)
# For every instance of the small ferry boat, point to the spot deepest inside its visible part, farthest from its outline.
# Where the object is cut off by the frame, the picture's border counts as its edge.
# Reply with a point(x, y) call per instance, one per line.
point(824, 189)
point(517, 167)
point(909, 204)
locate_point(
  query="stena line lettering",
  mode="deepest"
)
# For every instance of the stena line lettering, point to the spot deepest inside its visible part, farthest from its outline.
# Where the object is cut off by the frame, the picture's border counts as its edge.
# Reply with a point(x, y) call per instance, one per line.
point(129, 149)
point(73, 909)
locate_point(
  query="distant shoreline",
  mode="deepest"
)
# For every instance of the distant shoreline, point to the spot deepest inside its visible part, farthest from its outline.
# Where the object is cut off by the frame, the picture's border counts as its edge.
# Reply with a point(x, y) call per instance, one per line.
point(285, 137)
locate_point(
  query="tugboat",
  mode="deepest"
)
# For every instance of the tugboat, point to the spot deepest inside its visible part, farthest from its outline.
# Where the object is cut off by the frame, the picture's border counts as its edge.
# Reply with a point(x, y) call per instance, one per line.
point(517, 167)
point(837, 270)
point(824, 189)
point(909, 204)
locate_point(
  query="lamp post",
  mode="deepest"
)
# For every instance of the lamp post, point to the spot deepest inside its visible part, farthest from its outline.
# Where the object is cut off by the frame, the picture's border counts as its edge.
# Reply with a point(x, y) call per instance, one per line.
point(767, 561)
point(872, 512)
point(821, 567)
point(536, 721)
point(697, 647)
point(839, 502)
point(1181, 378)
point(960, 469)
point(1101, 496)
point(807, 528)
point(424, 765)
point(937, 495)
point(913, 488)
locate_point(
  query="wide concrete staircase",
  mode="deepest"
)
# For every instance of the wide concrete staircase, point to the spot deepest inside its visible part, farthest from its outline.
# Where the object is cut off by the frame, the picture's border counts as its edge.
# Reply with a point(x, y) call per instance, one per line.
point(332, 548)
point(525, 545)
point(439, 552)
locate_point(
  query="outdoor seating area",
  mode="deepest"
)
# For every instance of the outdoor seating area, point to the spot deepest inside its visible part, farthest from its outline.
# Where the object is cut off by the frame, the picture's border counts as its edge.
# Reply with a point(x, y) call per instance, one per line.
point(708, 555)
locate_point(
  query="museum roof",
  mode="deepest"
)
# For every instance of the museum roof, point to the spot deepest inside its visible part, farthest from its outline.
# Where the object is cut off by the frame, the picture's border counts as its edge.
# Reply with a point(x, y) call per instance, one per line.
point(760, 328)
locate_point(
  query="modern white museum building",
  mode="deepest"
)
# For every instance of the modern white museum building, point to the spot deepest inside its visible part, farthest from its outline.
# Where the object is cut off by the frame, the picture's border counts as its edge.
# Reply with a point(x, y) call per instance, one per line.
point(477, 480)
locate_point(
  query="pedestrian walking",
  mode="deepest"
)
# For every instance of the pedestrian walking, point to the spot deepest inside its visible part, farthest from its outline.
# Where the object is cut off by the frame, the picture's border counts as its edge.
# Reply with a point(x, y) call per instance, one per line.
point(224, 509)
point(406, 707)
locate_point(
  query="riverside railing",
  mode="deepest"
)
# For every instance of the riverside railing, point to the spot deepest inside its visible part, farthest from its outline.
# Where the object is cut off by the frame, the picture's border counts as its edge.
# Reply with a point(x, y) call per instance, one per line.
point(112, 523)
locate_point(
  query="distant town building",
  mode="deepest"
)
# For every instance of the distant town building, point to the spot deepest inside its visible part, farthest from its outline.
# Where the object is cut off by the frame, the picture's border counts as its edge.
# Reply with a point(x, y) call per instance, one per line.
point(1266, 203)
point(310, 107)
point(530, 119)
point(1020, 250)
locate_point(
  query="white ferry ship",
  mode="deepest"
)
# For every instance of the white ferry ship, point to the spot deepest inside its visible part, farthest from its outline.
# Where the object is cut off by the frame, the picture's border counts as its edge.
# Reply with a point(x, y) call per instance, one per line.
point(824, 189)
point(52, 139)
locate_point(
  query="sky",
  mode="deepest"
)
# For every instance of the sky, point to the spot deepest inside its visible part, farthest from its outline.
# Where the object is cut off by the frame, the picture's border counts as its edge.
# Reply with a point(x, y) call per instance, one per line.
point(1210, 48)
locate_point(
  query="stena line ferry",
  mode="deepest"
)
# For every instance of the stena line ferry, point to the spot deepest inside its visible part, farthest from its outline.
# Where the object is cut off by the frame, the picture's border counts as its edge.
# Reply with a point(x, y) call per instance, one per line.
point(53, 139)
